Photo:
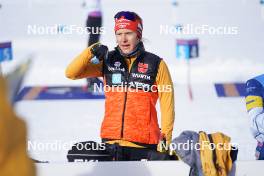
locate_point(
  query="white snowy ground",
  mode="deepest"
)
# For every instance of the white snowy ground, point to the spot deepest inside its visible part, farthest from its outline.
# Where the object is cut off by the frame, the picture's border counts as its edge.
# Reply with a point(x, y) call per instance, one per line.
point(223, 58)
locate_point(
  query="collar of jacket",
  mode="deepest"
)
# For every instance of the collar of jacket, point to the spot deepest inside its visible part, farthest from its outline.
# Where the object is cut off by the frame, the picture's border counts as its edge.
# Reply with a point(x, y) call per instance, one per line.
point(136, 52)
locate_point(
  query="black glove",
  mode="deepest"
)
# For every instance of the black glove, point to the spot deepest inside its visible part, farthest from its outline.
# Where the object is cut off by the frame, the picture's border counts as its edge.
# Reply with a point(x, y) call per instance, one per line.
point(100, 51)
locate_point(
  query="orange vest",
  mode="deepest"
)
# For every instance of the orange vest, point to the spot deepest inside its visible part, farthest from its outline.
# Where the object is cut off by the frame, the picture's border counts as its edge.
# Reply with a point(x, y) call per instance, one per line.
point(131, 97)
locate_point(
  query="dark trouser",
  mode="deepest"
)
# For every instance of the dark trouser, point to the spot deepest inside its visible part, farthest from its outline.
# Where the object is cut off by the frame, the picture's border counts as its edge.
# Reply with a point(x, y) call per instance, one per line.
point(122, 153)
point(93, 151)
point(260, 151)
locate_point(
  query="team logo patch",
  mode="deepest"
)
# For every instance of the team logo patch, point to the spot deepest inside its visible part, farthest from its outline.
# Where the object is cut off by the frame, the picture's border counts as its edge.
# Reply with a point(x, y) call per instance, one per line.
point(142, 68)
point(116, 78)
point(117, 64)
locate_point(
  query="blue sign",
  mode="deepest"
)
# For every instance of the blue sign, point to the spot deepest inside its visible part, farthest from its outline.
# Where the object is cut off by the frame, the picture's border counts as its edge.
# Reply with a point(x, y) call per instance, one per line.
point(262, 2)
point(174, 2)
point(187, 49)
point(6, 51)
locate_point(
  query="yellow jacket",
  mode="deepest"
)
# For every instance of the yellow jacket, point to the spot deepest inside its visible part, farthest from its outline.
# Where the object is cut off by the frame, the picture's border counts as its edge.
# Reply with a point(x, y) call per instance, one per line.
point(13, 146)
point(223, 162)
point(81, 67)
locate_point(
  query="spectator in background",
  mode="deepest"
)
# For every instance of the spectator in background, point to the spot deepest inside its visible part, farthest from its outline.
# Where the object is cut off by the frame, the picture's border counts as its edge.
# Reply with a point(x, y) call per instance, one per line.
point(254, 104)
point(93, 25)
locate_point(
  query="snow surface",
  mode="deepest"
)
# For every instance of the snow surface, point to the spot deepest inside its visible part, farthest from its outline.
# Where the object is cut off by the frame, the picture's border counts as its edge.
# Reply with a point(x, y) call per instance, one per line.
point(223, 58)
point(150, 168)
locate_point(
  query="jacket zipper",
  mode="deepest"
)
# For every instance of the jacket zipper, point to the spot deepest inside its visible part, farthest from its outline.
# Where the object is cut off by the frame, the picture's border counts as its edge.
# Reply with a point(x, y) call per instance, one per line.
point(125, 99)
point(123, 116)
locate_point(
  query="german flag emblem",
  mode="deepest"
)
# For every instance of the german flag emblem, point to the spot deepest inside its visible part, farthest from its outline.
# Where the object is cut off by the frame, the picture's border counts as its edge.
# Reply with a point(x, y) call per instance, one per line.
point(142, 68)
